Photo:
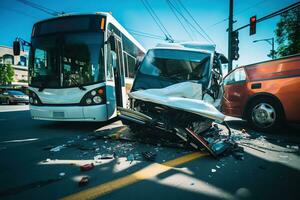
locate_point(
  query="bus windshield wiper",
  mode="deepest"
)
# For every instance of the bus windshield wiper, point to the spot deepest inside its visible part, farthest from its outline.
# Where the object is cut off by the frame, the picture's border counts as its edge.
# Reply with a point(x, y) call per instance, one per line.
point(77, 84)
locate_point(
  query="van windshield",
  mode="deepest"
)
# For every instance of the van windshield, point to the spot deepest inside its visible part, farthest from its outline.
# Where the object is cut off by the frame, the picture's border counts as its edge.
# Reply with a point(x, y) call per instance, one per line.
point(175, 64)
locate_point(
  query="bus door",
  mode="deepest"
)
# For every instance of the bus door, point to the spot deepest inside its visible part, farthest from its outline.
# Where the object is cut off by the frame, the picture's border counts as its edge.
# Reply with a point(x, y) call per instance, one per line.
point(115, 75)
point(119, 74)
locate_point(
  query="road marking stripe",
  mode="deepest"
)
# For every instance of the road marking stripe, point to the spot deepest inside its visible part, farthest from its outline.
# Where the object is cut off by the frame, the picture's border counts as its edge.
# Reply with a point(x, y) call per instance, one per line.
point(145, 173)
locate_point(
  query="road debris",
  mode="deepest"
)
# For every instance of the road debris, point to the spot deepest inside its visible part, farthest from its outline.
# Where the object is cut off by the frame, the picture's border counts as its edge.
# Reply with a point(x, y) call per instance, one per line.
point(87, 167)
point(149, 156)
point(61, 174)
point(83, 181)
point(107, 156)
point(130, 158)
point(58, 148)
point(295, 147)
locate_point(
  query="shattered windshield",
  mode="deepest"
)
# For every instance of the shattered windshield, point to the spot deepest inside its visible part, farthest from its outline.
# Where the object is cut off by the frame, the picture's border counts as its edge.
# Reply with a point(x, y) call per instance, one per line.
point(66, 60)
point(175, 64)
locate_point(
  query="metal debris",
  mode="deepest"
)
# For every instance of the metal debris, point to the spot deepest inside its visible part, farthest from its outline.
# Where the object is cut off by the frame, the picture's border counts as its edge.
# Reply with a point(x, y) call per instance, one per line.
point(83, 181)
point(87, 167)
point(58, 148)
point(61, 174)
point(149, 156)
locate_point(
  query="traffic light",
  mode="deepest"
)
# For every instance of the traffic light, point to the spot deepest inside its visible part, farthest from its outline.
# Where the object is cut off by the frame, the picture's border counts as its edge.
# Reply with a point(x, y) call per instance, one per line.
point(235, 45)
point(252, 25)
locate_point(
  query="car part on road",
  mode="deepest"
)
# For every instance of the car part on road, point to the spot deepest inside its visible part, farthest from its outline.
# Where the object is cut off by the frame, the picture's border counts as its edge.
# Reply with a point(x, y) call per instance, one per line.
point(83, 181)
point(87, 167)
point(149, 156)
point(195, 130)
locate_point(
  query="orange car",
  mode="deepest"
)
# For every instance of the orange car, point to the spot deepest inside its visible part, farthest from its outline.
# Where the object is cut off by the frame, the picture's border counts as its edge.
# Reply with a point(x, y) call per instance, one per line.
point(266, 94)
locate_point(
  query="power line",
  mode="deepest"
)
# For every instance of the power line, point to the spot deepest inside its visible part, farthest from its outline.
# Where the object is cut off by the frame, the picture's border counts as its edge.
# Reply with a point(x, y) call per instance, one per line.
point(157, 21)
point(158, 18)
point(195, 21)
point(276, 13)
point(147, 36)
point(19, 12)
point(172, 9)
point(140, 32)
point(187, 21)
point(240, 12)
point(39, 7)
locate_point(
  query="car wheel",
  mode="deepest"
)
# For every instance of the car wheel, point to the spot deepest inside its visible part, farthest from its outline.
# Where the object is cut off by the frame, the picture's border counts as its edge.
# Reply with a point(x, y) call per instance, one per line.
point(265, 114)
point(8, 102)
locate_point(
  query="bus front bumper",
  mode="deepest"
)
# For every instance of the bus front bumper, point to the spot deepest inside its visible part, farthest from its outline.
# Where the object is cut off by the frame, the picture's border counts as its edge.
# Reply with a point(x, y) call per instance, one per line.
point(69, 113)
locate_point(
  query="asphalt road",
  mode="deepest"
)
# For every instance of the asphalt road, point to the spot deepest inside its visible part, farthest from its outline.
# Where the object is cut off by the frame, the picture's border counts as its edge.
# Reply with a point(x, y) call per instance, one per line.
point(42, 159)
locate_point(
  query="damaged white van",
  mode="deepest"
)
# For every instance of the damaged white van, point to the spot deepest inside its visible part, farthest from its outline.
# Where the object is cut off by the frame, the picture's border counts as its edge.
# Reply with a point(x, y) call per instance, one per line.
point(178, 87)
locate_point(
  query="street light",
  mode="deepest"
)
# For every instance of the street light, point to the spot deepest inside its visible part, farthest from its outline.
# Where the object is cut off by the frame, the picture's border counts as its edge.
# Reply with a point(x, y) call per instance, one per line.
point(271, 42)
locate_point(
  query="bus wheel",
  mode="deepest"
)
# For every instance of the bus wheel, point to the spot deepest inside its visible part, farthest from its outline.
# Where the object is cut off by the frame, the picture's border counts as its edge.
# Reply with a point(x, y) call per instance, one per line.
point(265, 114)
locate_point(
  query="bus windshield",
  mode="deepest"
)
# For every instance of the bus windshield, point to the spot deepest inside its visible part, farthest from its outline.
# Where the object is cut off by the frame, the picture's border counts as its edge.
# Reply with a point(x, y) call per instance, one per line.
point(66, 60)
point(175, 64)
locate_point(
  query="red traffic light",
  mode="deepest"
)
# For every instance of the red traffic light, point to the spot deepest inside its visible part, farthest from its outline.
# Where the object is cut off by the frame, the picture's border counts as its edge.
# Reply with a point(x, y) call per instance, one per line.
point(253, 25)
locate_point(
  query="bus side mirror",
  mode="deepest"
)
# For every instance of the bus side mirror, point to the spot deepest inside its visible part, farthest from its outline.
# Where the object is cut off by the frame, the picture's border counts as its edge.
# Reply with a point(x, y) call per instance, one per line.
point(16, 48)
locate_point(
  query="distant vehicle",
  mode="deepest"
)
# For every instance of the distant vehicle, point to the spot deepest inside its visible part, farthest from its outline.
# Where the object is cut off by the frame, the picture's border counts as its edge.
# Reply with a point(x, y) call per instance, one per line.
point(13, 97)
point(266, 94)
point(80, 68)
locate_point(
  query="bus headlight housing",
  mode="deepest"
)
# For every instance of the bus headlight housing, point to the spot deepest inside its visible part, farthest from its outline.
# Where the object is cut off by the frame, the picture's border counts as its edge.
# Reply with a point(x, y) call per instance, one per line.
point(34, 99)
point(94, 97)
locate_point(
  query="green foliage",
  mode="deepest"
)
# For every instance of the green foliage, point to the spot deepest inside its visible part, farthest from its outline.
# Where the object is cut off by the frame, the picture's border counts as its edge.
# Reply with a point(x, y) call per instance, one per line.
point(6, 74)
point(288, 33)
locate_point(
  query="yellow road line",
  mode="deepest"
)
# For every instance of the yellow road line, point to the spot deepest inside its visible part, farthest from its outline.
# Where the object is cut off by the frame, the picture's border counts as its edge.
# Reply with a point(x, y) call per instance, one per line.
point(145, 173)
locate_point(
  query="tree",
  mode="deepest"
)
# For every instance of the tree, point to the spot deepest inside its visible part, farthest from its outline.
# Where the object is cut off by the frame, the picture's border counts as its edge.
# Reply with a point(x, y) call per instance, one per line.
point(6, 74)
point(288, 33)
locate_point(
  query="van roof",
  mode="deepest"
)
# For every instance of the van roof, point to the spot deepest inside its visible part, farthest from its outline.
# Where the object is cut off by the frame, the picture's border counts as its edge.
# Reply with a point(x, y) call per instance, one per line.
point(187, 46)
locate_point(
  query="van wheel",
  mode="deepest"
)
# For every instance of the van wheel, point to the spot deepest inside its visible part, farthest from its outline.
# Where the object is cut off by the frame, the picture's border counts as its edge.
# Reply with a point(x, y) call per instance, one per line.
point(265, 114)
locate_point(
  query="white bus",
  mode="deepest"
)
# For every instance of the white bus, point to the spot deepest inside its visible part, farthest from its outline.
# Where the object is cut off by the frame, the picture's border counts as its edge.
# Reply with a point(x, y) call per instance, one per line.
point(80, 67)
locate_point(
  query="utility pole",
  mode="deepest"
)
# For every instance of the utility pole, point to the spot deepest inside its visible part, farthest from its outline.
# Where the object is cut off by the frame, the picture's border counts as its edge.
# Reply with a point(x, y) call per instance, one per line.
point(230, 29)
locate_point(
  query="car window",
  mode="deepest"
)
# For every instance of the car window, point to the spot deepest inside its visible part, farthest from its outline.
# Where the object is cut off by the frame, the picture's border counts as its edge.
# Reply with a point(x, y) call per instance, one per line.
point(236, 76)
point(15, 92)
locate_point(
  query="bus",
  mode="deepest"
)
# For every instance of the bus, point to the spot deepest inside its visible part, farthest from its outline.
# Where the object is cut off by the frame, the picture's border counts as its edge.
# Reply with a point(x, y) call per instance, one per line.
point(80, 67)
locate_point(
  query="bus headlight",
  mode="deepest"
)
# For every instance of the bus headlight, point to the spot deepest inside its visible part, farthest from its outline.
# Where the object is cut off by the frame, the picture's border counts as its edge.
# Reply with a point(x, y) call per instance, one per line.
point(88, 101)
point(97, 99)
point(93, 93)
point(94, 97)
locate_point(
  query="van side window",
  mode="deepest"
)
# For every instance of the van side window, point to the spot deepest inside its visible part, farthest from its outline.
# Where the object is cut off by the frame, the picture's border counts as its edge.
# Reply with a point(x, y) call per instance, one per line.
point(236, 76)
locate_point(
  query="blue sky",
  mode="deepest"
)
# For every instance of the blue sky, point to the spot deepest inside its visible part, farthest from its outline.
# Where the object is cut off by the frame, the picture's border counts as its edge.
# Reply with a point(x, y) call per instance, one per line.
point(16, 19)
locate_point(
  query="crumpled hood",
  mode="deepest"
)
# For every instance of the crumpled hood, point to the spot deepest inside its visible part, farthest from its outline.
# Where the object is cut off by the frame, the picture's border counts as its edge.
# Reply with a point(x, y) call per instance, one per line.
point(185, 96)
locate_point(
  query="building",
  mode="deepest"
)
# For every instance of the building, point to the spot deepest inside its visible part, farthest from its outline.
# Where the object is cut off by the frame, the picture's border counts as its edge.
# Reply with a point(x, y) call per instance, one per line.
point(19, 63)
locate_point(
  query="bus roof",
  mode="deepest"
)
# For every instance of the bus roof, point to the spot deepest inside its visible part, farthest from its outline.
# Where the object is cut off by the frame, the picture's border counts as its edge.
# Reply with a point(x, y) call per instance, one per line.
point(109, 18)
